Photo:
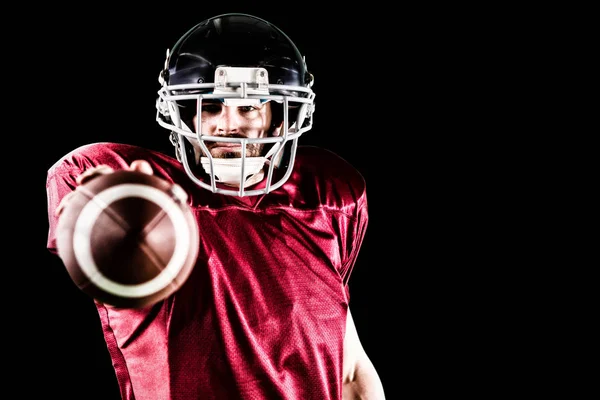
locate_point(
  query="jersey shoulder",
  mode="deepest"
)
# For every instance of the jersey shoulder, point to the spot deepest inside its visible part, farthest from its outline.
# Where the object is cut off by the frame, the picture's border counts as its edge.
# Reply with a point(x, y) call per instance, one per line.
point(115, 155)
point(325, 178)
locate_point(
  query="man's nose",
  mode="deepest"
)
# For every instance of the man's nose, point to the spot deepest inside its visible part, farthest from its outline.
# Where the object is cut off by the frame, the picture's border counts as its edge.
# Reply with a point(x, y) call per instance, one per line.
point(229, 121)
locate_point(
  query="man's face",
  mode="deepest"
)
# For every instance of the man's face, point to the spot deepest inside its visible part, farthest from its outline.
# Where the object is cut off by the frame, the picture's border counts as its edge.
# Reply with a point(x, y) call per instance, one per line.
point(236, 122)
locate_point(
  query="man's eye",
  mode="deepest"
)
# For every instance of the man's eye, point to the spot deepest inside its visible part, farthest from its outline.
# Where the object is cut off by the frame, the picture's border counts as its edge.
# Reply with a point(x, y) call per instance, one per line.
point(246, 109)
point(211, 108)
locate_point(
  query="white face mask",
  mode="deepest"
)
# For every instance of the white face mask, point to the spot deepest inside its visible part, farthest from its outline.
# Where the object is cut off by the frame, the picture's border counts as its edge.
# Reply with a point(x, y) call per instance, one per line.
point(228, 170)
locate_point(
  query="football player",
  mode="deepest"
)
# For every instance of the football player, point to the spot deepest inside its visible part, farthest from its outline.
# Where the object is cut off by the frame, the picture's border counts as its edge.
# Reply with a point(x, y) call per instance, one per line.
point(265, 312)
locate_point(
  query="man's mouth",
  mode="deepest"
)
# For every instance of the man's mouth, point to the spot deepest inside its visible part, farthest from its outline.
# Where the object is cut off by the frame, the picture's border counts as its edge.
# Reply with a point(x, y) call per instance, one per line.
point(226, 150)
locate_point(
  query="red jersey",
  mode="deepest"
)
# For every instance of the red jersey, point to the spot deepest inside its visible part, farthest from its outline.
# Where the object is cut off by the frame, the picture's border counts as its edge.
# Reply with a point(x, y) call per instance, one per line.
point(263, 313)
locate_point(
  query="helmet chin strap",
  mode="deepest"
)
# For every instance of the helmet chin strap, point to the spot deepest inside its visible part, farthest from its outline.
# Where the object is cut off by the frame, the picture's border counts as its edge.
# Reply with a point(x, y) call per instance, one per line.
point(228, 170)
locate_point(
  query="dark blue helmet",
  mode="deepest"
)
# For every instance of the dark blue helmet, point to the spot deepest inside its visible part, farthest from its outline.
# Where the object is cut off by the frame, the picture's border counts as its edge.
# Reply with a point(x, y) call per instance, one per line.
point(238, 59)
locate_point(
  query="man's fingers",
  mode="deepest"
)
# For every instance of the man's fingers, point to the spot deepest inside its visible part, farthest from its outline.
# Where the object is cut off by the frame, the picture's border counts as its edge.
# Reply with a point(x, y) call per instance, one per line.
point(137, 165)
point(62, 203)
point(92, 173)
point(81, 179)
point(141, 166)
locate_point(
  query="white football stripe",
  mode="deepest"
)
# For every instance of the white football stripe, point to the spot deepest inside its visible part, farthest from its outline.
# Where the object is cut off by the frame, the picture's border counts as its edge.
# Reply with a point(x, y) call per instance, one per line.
point(90, 213)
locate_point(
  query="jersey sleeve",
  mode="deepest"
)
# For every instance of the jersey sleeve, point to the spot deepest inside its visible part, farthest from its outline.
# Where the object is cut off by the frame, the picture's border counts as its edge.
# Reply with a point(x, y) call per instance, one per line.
point(60, 181)
point(61, 177)
point(331, 183)
point(354, 236)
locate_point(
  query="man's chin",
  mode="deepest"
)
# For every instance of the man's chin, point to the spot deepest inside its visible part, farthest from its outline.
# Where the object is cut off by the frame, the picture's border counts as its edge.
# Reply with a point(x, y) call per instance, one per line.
point(235, 151)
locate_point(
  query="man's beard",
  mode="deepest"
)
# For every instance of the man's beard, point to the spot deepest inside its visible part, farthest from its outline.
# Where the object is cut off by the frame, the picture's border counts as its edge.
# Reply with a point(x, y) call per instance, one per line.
point(252, 150)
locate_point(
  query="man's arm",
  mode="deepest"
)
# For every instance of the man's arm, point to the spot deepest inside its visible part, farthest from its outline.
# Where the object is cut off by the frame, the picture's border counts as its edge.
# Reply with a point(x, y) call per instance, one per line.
point(360, 381)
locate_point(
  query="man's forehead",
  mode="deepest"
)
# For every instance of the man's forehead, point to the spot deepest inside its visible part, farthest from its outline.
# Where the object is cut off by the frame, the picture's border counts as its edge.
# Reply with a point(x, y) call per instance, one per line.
point(234, 102)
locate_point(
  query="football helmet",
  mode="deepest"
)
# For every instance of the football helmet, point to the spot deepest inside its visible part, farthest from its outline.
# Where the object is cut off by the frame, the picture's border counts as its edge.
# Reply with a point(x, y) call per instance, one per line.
point(240, 60)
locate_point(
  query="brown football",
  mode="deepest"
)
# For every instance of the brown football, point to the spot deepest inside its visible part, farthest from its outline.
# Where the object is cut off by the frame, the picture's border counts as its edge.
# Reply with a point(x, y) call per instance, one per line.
point(128, 239)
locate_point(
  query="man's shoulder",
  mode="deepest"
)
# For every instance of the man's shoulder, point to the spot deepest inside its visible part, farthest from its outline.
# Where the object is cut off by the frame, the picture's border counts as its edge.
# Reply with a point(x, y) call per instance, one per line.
point(327, 179)
point(115, 155)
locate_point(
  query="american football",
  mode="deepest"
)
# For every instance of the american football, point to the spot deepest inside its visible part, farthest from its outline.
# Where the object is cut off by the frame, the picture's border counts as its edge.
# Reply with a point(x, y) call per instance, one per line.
point(128, 239)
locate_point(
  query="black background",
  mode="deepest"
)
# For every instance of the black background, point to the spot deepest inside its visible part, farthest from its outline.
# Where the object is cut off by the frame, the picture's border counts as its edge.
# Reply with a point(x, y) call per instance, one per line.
point(378, 84)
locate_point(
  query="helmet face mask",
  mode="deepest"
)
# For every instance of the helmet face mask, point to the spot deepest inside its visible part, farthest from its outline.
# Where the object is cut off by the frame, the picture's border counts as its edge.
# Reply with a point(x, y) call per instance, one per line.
point(239, 60)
